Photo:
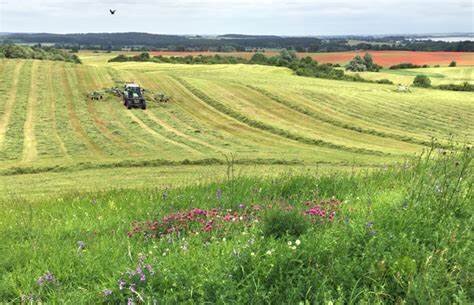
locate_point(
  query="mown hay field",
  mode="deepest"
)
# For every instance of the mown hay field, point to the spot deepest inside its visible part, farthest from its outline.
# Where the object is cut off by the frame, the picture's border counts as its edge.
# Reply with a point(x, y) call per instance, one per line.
point(254, 114)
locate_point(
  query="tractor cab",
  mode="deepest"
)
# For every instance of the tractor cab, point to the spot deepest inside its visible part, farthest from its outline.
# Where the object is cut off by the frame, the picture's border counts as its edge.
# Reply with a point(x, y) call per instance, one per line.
point(133, 97)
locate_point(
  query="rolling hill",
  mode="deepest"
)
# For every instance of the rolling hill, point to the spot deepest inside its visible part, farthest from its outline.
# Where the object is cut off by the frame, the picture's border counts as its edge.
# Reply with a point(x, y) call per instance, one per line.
point(251, 186)
point(265, 118)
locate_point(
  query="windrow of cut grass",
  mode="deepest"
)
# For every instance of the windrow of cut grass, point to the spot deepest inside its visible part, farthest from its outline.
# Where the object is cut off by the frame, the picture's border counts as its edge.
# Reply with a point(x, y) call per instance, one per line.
point(396, 235)
point(15, 115)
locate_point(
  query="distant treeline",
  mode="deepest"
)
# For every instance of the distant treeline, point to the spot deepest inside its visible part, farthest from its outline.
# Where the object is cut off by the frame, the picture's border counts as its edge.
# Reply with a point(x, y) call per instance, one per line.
point(37, 52)
point(301, 66)
point(230, 43)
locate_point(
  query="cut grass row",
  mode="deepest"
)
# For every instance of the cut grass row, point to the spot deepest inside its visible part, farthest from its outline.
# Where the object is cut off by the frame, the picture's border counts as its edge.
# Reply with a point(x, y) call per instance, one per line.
point(260, 125)
point(338, 123)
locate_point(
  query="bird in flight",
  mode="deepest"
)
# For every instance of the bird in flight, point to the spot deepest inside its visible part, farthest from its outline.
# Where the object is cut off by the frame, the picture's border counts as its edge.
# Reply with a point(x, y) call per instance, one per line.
point(112, 11)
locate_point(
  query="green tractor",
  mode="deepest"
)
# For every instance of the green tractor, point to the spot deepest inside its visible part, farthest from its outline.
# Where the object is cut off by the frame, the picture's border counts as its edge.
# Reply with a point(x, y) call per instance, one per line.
point(133, 96)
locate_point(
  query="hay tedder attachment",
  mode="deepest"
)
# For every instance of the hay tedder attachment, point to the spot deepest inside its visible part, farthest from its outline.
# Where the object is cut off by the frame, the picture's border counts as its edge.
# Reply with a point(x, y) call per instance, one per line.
point(132, 94)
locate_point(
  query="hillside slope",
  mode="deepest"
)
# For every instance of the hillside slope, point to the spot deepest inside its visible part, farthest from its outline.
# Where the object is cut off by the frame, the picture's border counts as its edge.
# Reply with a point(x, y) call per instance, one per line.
point(260, 115)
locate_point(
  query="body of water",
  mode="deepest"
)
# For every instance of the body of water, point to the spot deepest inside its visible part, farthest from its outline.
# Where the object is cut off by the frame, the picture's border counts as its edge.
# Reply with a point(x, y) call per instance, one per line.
point(448, 39)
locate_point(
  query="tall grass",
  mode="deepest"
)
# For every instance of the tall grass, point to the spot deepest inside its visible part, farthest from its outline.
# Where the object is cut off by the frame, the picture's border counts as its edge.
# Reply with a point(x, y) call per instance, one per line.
point(403, 234)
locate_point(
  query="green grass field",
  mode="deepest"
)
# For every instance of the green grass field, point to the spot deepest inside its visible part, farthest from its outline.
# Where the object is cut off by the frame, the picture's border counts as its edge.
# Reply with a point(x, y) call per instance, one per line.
point(91, 194)
point(438, 76)
point(260, 115)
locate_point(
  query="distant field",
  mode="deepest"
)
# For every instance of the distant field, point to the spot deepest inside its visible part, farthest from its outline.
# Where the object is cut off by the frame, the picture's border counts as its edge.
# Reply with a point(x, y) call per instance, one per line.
point(260, 115)
point(438, 76)
point(389, 58)
point(384, 58)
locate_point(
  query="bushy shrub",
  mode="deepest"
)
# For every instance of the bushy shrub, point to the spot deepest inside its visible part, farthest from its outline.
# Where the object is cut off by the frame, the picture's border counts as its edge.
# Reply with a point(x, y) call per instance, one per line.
point(119, 58)
point(453, 64)
point(384, 81)
point(278, 223)
point(405, 65)
point(142, 57)
point(422, 81)
point(454, 87)
point(258, 58)
point(359, 64)
point(37, 52)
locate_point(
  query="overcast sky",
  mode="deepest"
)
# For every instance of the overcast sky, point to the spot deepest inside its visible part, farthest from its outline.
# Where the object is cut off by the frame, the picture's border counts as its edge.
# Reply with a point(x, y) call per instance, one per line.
point(281, 17)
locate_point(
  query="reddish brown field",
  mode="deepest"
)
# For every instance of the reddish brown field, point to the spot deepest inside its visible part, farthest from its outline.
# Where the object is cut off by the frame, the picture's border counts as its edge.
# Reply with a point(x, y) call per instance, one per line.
point(384, 58)
point(389, 58)
point(246, 55)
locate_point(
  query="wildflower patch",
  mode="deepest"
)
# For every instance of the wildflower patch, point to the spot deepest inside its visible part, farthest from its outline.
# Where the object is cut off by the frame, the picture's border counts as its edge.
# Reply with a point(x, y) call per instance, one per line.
point(221, 221)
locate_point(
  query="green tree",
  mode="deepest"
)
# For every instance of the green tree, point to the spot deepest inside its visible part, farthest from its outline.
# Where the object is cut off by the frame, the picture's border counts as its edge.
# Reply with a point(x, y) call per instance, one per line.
point(288, 56)
point(357, 64)
point(258, 58)
point(453, 64)
point(422, 81)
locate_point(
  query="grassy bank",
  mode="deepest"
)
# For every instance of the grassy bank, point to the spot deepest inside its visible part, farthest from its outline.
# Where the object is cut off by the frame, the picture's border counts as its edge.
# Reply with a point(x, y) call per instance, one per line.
point(398, 235)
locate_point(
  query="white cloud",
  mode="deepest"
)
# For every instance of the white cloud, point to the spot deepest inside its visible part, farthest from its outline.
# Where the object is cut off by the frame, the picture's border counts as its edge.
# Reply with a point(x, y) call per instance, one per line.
point(222, 16)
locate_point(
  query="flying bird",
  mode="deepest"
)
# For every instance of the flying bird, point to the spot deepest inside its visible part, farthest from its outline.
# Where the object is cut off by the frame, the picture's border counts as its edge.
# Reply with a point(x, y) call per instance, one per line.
point(112, 11)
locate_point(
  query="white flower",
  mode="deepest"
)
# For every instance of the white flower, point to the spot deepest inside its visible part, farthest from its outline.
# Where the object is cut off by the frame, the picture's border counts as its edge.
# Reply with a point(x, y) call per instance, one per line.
point(269, 252)
point(297, 242)
point(252, 254)
point(224, 239)
point(293, 248)
point(290, 243)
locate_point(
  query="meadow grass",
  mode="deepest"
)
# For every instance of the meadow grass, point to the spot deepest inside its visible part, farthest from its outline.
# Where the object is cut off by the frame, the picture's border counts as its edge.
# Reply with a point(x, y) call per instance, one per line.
point(401, 234)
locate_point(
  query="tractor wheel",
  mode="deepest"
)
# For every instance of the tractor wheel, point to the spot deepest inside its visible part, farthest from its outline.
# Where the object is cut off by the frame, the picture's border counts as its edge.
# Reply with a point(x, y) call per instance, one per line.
point(143, 106)
point(129, 106)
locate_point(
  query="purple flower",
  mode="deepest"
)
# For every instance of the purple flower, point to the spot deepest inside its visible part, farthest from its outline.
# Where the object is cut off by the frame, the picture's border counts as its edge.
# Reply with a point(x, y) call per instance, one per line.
point(241, 206)
point(130, 301)
point(139, 270)
point(81, 245)
point(122, 284)
point(219, 194)
point(48, 277)
point(107, 292)
point(132, 288)
point(369, 225)
point(149, 268)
